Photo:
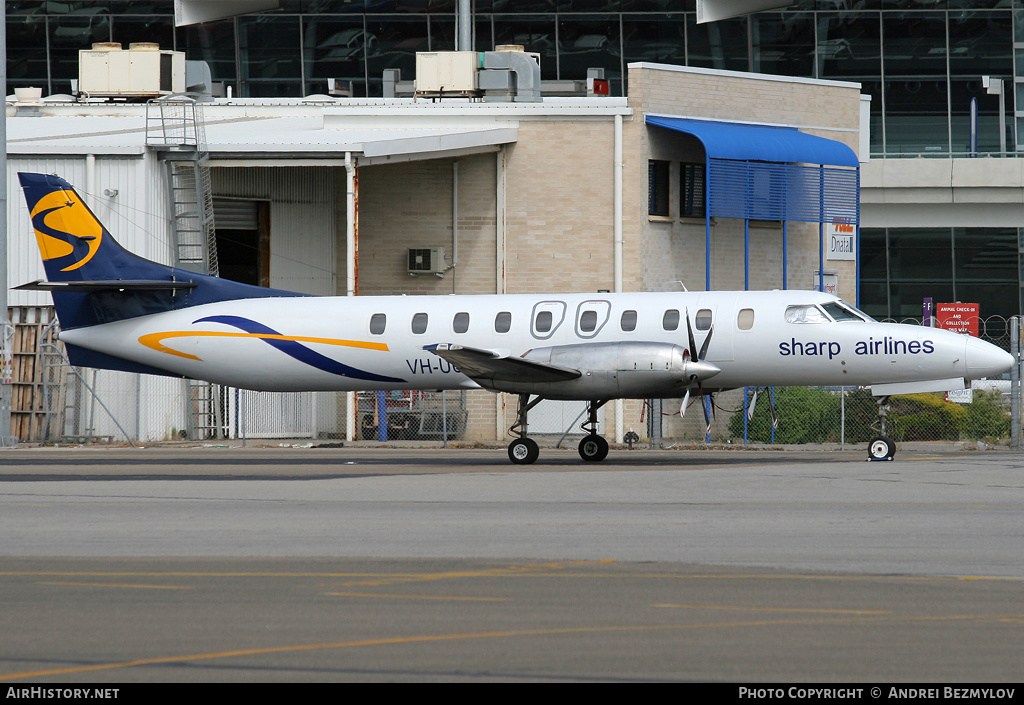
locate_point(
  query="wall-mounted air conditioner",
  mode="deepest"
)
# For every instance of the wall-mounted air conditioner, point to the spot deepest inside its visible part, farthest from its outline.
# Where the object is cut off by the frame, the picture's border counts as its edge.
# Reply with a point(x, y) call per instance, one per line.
point(426, 260)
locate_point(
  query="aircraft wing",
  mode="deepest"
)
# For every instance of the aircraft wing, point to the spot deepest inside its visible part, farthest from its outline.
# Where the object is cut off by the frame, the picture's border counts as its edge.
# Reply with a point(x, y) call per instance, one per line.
point(486, 367)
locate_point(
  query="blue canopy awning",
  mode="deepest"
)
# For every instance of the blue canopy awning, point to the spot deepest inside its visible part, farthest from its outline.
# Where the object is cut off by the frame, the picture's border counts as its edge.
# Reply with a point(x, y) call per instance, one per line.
point(731, 140)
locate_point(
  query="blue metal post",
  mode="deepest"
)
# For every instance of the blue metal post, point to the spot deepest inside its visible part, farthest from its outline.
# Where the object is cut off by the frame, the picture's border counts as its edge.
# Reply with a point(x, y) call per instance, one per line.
point(785, 236)
point(382, 417)
point(746, 254)
point(707, 223)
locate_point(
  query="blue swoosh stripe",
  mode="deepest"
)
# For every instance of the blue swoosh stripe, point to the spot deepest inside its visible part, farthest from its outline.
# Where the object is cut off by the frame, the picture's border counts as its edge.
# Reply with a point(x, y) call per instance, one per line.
point(298, 351)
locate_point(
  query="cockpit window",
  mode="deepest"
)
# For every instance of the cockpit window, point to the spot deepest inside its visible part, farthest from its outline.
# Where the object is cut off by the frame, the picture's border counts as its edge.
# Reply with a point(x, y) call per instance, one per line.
point(805, 314)
point(841, 313)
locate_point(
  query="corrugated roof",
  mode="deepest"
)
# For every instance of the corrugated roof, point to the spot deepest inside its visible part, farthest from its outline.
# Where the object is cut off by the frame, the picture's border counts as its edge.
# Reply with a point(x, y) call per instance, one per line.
point(239, 135)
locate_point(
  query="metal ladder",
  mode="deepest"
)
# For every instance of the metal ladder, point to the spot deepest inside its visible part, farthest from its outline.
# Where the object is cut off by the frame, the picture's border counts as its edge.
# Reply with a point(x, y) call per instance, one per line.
point(175, 126)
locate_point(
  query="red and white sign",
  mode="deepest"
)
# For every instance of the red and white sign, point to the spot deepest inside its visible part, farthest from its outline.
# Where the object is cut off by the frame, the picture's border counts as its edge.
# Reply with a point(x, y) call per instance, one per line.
point(959, 318)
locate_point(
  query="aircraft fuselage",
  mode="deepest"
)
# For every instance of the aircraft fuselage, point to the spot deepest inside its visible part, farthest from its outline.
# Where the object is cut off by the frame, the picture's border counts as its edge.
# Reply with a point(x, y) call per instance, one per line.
point(363, 343)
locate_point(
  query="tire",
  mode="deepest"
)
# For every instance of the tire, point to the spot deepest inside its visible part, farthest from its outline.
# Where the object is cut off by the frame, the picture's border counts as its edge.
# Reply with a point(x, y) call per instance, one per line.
point(593, 448)
point(523, 451)
point(881, 448)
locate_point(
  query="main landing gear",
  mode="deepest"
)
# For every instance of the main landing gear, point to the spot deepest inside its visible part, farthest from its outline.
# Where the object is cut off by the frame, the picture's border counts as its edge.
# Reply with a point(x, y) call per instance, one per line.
point(593, 448)
point(882, 447)
point(523, 450)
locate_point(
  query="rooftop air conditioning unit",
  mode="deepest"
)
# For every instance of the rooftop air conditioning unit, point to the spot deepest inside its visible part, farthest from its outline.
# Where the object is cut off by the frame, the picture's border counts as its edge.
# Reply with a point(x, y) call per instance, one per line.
point(144, 71)
point(426, 260)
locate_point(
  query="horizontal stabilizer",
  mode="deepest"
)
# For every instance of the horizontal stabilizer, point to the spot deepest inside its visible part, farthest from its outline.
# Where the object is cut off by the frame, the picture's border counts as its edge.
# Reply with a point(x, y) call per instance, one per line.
point(485, 367)
point(107, 285)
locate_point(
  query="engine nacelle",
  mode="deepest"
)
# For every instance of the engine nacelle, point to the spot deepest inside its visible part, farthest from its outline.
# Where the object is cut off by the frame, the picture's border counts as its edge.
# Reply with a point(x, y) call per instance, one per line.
point(631, 370)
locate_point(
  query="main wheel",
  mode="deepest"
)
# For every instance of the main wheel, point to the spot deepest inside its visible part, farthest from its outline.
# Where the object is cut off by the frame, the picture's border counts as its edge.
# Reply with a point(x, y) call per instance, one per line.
point(593, 448)
point(523, 451)
point(881, 448)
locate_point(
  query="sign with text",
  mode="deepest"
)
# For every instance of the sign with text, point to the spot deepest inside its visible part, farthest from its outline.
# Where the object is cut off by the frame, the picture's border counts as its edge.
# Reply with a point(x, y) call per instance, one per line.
point(961, 396)
point(831, 283)
point(959, 318)
point(841, 240)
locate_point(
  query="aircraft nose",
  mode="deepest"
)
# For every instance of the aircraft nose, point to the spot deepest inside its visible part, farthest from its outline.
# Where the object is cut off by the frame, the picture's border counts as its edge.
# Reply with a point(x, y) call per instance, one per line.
point(985, 359)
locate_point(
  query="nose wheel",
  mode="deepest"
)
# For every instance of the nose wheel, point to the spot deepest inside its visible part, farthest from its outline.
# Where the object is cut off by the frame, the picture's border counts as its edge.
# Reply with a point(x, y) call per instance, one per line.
point(881, 448)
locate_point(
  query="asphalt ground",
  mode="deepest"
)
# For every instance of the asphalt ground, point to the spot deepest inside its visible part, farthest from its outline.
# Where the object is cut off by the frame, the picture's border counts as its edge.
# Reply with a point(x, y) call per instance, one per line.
point(363, 564)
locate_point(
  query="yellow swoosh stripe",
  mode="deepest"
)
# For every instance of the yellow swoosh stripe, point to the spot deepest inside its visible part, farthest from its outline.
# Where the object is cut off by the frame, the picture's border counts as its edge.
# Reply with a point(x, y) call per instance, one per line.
point(154, 341)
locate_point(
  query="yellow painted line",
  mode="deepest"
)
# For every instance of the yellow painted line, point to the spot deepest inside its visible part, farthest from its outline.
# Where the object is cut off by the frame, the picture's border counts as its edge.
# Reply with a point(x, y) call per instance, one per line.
point(454, 637)
point(511, 571)
point(123, 585)
point(771, 609)
point(417, 597)
point(525, 571)
point(447, 575)
point(155, 340)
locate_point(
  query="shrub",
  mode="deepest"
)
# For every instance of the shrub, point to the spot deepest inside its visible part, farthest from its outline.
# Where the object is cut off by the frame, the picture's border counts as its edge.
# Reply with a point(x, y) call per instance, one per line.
point(813, 415)
point(986, 416)
point(805, 414)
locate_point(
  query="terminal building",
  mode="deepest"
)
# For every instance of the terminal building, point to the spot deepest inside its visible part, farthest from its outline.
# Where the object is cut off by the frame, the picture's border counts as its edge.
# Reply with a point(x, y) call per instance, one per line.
point(513, 196)
point(940, 217)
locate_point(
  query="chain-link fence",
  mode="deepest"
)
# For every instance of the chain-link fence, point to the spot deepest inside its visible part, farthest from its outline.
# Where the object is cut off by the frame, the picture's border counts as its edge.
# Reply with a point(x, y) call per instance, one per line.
point(55, 402)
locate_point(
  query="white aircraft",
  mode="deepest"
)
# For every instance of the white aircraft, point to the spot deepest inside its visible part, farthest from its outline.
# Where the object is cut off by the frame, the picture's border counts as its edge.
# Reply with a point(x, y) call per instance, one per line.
point(119, 311)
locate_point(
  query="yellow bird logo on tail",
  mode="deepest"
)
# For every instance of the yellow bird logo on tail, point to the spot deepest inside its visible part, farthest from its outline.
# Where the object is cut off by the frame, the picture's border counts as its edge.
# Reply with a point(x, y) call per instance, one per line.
point(63, 224)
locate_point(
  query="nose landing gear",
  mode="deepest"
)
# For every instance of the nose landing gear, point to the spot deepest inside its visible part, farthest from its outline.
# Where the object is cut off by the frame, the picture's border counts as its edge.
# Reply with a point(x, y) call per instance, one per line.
point(882, 447)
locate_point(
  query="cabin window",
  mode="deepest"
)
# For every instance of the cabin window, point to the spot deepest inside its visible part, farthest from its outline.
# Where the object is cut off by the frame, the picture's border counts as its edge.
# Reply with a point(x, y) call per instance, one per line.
point(670, 321)
point(588, 321)
point(543, 322)
point(503, 322)
point(628, 321)
point(805, 314)
point(378, 322)
point(419, 323)
point(703, 319)
point(745, 319)
point(460, 324)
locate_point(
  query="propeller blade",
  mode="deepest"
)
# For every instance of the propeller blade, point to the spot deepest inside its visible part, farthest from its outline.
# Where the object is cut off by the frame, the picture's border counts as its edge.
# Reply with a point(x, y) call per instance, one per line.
point(689, 332)
point(750, 409)
point(707, 341)
point(682, 407)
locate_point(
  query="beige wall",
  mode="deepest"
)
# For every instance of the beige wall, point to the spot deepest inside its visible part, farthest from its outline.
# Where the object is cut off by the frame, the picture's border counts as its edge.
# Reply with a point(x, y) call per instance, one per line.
point(556, 183)
point(671, 249)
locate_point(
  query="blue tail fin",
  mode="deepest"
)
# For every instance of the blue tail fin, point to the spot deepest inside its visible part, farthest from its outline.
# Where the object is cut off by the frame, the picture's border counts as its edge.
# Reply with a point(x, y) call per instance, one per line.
point(94, 280)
